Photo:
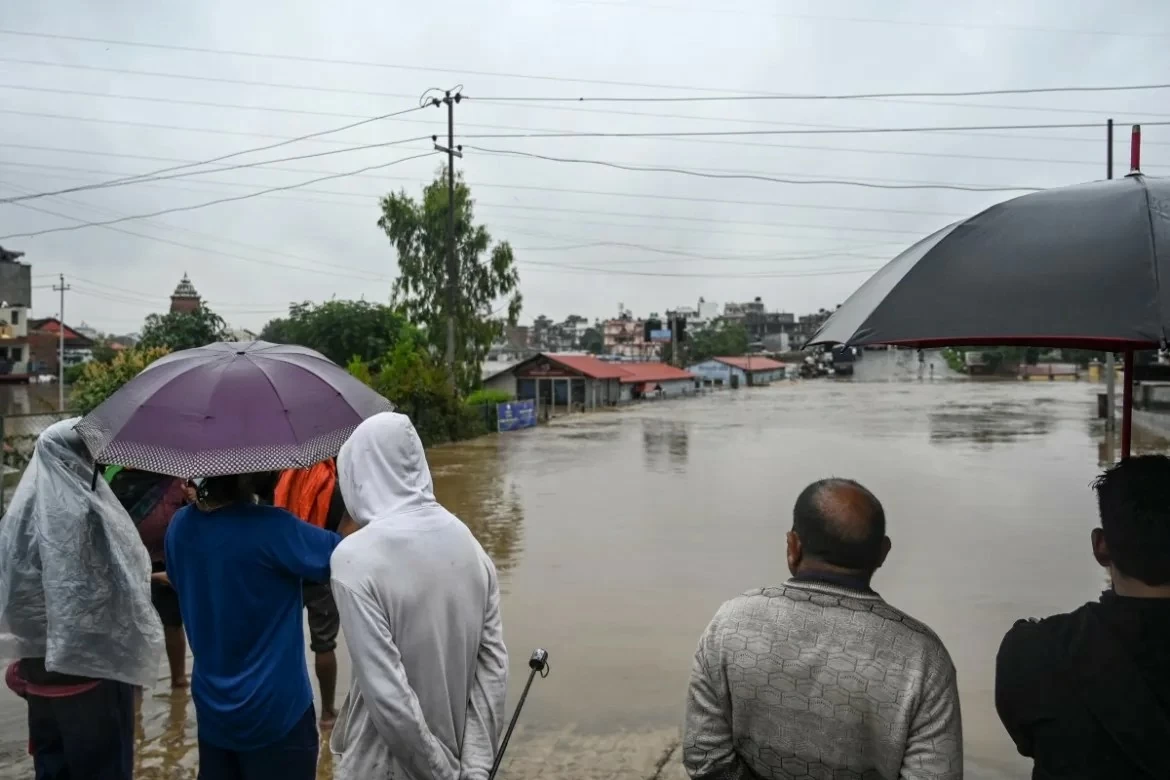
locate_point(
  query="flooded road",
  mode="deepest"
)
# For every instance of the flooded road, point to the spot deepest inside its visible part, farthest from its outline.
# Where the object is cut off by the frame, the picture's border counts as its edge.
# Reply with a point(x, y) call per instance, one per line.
point(618, 534)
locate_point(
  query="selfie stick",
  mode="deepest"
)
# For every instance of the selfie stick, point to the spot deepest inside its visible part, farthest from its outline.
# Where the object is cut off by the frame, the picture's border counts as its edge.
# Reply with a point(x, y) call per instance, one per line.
point(538, 663)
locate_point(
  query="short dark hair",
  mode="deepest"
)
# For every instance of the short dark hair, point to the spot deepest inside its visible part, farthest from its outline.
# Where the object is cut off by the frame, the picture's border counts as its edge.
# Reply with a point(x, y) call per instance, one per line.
point(840, 523)
point(1134, 500)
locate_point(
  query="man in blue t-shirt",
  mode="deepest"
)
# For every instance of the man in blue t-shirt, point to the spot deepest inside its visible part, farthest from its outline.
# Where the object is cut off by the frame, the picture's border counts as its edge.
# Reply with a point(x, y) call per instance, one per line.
point(238, 568)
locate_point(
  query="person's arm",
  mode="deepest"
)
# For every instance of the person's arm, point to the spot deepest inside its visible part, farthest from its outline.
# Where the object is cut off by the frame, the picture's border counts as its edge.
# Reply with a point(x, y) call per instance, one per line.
point(392, 704)
point(1017, 698)
point(485, 706)
point(708, 742)
point(934, 746)
point(301, 549)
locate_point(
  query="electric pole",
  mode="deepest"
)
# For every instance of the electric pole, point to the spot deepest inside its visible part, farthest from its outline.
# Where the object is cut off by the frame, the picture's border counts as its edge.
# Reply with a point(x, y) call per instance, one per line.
point(61, 288)
point(452, 258)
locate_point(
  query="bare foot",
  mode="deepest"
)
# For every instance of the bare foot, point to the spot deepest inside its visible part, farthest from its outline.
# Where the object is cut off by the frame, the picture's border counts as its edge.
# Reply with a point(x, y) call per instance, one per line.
point(179, 682)
point(328, 718)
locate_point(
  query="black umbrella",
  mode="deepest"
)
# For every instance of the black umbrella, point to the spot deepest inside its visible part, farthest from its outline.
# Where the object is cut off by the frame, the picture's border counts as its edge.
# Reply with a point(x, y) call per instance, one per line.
point(1078, 267)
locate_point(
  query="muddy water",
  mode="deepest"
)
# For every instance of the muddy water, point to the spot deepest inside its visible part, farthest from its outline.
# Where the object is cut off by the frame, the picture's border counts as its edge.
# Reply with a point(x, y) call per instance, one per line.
point(619, 533)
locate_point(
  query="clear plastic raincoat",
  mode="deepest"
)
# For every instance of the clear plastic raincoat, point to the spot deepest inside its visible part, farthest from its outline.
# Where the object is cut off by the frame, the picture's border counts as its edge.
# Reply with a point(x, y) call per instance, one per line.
point(74, 576)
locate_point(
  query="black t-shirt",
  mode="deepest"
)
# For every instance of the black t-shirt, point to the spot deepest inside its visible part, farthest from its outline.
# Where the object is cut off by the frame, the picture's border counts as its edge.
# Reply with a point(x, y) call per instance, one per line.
point(1056, 677)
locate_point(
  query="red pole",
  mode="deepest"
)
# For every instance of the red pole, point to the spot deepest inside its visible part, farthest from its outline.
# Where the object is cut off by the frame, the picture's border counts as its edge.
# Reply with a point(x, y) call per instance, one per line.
point(1135, 150)
point(1127, 405)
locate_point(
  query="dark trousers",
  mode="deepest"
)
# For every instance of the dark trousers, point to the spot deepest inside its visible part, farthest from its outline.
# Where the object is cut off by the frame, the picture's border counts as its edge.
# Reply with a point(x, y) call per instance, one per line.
point(292, 757)
point(90, 735)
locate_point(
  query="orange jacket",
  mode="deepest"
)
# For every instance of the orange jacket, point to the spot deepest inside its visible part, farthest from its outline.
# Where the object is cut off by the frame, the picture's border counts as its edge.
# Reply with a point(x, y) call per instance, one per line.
point(307, 492)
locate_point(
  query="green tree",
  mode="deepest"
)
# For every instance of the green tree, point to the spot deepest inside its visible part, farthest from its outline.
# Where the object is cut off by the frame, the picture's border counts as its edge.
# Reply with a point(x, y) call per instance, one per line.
point(716, 341)
point(99, 380)
point(418, 232)
point(339, 330)
point(592, 341)
point(179, 330)
point(415, 381)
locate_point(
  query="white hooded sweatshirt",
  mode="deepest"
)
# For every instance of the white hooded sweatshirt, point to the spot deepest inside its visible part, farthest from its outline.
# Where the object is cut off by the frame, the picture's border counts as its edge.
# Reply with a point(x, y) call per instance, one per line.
point(420, 608)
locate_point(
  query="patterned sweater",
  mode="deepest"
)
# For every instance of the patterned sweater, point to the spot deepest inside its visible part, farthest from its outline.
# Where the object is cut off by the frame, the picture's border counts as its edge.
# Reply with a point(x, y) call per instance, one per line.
point(815, 681)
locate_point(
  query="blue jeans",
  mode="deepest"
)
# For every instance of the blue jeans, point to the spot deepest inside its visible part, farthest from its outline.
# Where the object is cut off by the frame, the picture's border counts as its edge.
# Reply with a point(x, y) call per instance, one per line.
point(292, 757)
point(90, 735)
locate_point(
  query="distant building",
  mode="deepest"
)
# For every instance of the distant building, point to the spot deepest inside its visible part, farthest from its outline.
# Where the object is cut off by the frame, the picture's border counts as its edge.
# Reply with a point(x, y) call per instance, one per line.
point(44, 344)
point(749, 370)
point(626, 337)
point(185, 299)
point(15, 280)
point(758, 321)
point(15, 302)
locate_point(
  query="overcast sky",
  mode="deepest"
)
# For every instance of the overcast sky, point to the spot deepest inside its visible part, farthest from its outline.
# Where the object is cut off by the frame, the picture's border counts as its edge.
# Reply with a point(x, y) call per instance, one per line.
point(68, 119)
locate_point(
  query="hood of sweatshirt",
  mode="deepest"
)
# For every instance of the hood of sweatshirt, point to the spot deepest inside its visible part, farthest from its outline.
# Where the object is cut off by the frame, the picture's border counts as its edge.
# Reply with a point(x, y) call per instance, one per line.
point(383, 470)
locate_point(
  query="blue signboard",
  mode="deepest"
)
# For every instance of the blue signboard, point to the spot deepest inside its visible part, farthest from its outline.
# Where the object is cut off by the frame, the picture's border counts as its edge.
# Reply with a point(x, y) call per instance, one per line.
point(516, 415)
point(660, 335)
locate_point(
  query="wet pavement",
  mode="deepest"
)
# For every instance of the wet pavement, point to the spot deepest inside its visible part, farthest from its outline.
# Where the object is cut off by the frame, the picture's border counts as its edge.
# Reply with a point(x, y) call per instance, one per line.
point(619, 533)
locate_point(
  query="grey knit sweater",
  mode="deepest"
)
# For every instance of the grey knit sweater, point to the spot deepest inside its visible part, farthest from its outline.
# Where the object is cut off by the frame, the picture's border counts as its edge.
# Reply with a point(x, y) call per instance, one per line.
point(816, 681)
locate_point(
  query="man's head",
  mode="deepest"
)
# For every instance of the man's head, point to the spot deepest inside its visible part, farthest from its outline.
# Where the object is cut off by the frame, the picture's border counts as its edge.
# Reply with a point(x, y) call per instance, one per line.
point(1133, 541)
point(837, 525)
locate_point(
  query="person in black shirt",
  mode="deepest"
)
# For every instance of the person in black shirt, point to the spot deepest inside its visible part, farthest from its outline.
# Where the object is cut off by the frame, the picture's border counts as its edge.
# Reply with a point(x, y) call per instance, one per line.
point(1086, 694)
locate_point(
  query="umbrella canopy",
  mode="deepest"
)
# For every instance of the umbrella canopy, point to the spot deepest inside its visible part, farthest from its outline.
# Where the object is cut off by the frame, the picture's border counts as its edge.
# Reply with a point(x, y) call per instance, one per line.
point(1086, 266)
point(230, 408)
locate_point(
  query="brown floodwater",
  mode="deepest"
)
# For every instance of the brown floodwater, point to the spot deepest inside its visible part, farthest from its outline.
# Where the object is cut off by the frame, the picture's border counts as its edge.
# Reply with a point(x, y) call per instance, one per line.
point(618, 534)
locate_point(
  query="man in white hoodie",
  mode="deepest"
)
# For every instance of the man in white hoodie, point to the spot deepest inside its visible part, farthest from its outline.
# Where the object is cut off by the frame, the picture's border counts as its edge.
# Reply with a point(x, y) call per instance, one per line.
point(420, 609)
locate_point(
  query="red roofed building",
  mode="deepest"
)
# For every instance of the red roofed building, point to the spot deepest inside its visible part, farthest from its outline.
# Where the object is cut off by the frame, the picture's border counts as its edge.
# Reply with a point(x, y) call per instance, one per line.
point(746, 370)
point(570, 383)
point(44, 344)
point(645, 380)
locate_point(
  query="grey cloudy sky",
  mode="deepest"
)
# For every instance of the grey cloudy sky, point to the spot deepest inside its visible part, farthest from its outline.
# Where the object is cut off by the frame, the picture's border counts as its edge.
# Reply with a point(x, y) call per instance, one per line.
point(78, 112)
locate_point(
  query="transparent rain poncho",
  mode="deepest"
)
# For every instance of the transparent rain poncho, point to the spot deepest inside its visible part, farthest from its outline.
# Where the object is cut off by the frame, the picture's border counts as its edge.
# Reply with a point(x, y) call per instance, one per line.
point(74, 575)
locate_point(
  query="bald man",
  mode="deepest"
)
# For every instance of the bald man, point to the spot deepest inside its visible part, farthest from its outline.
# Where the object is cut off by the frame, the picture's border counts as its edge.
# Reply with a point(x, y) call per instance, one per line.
point(820, 677)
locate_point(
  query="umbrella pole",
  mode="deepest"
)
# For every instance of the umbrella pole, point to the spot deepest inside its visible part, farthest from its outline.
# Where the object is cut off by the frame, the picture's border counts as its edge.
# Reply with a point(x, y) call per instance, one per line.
point(1127, 405)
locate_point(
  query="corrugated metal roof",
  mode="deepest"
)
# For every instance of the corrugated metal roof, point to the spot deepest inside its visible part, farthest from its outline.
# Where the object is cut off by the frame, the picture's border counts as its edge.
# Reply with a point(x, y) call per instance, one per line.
point(653, 372)
point(587, 365)
point(751, 363)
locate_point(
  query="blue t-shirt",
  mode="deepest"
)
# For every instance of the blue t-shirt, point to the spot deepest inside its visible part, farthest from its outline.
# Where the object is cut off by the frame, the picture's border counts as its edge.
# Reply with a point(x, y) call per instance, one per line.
point(238, 571)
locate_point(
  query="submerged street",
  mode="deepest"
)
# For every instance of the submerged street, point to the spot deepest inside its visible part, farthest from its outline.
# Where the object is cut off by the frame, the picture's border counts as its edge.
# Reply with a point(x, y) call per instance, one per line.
point(618, 534)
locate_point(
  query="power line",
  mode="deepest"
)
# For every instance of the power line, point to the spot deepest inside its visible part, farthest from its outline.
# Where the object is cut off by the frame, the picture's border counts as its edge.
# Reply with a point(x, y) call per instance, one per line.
point(824, 97)
point(410, 68)
point(327, 270)
point(504, 226)
point(763, 275)
point(753, 177)
point(521, 187)
point(368, 93)
point(816, 148)
point(687, 117)
point(816, 131)
point(213, 202)
point(861, 182)
point(149, 178)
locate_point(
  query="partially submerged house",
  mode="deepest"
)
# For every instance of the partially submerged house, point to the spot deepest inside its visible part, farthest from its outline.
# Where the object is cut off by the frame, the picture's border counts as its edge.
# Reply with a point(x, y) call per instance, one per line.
point(560, 382)
point(748, 370)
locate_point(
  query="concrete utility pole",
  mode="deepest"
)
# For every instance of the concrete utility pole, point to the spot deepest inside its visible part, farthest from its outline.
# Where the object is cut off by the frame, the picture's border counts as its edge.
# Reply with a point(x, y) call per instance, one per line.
point(452, 258)
point(1110, 358)
point(61, 288)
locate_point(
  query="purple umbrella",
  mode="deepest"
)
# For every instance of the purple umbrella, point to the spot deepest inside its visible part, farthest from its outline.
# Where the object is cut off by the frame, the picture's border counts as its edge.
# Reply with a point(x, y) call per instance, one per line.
point(230, 408)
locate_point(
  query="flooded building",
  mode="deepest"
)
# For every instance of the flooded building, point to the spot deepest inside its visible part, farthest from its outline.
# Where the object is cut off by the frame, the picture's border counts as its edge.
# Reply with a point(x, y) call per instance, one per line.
point(655, 380)
point(748, 371)
point(560, 382)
